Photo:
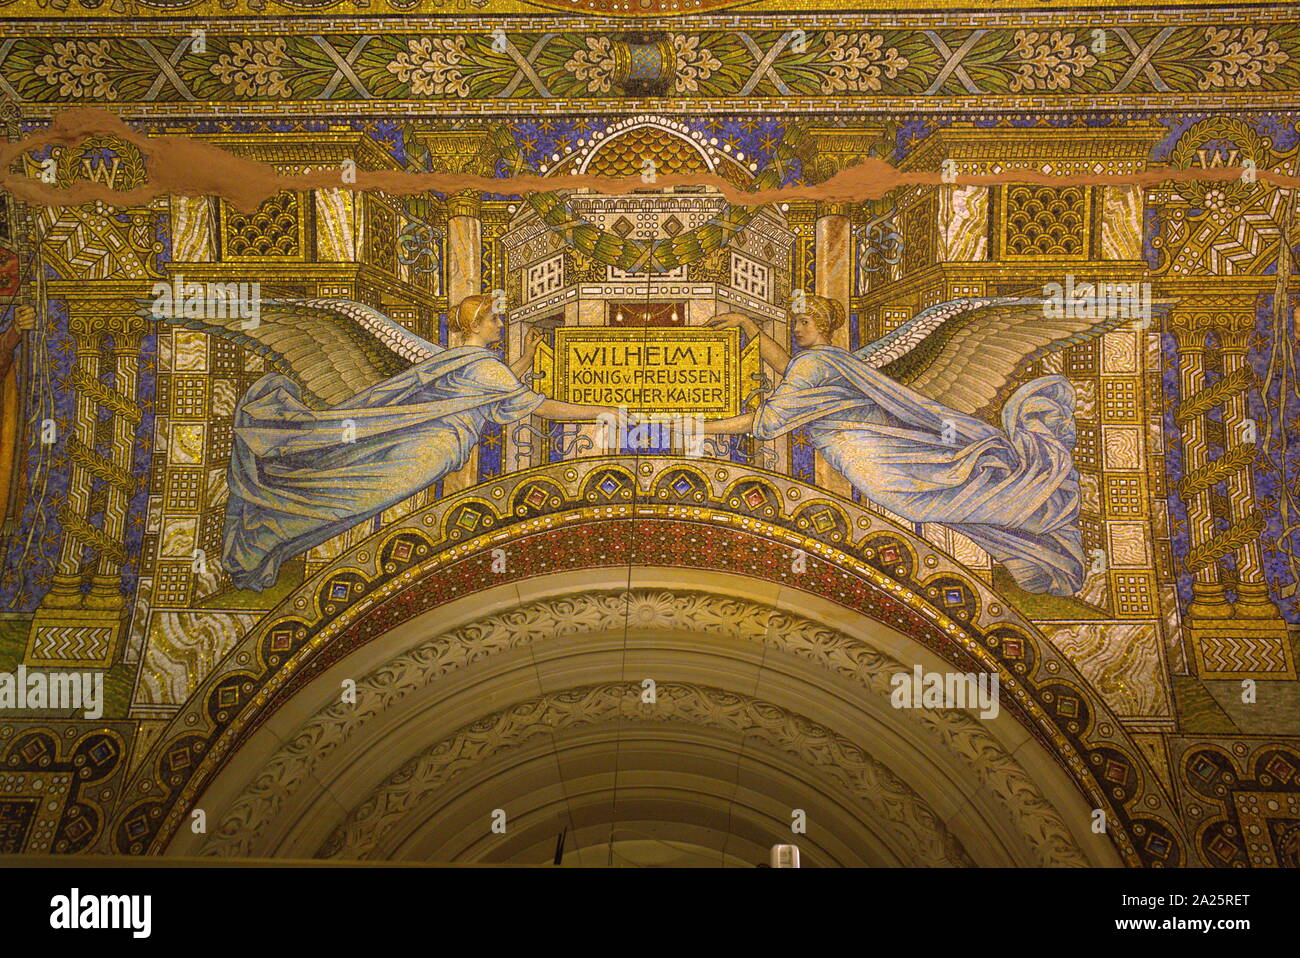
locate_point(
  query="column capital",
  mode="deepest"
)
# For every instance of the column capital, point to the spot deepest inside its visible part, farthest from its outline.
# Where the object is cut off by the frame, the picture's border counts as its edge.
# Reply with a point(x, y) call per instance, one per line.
point(90, 319)
point(832, 149)
point(1213, 312)
point(829, 208)
point(127, 331)
point(86, 335)
point(1235, 340)
point(465, 203)
point(458, 151)
point(1189, 337)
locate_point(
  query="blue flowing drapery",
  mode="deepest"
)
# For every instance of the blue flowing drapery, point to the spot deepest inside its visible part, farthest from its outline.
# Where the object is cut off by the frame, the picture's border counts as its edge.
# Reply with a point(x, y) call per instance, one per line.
point(1014, 491)
point(300, 476)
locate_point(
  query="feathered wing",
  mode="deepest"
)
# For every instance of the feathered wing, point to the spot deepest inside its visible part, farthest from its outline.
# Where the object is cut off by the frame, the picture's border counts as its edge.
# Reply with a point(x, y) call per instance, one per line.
point(964, 353)
point(333, 348)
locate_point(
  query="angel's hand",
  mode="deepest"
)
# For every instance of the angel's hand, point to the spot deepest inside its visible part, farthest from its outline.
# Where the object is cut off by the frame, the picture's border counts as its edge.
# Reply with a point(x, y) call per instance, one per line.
point(25, 318)
point(730, 320)
point(734, 425)
point(534, 339)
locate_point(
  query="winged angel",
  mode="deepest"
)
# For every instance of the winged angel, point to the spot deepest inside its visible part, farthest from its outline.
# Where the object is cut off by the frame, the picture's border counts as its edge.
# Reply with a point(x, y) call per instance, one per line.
point(906, 420)
point(363, 415)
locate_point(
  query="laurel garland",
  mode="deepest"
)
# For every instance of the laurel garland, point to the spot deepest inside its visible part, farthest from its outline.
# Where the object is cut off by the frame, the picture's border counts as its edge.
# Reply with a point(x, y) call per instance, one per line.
point(74, 164)
point(1219, 469)
point(1229, 540)
point(1220, 128)
point(100, 467)
point(104, 396)
point(90, 536)
point(659, 255)
point(1206, 399)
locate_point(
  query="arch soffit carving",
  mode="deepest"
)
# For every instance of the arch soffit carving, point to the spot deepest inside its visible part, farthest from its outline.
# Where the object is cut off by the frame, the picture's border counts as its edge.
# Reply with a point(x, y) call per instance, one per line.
point(888, 574)
point(965, 739)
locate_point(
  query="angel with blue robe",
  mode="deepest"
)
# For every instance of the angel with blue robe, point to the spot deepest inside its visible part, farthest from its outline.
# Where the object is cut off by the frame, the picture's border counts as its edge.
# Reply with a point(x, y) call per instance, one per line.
point(371, 415)
point(905, 420)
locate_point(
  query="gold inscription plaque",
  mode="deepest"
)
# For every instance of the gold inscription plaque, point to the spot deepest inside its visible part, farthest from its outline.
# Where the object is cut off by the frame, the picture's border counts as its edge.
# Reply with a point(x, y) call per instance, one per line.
point(648, 370)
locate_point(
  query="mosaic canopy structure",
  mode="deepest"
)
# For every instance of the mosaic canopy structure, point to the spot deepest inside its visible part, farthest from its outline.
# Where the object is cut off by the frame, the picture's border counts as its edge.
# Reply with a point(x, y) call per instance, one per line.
point(433, 428)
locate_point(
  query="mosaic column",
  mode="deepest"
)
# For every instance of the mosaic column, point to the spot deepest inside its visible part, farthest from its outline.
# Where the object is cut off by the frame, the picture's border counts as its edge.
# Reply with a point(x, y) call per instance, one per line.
point(1209, 601)
point(464, 248)
point(70, 629)
point(833, 268)
point(126, 331)
point(65, 590)
point(1252, 591)
point(1249, 639)
point(464, 278)
point(833, 276)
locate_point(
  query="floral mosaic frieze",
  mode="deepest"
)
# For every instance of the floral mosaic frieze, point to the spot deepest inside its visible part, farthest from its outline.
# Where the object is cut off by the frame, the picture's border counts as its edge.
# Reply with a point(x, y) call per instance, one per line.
point(1083, 60)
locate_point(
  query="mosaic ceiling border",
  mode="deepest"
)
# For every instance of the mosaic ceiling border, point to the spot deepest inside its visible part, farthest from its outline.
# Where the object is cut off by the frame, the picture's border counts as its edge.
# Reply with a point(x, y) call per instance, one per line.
point(851, 62)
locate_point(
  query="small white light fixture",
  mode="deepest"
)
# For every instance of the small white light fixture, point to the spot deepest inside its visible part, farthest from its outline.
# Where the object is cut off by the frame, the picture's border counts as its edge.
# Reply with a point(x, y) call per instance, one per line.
point(785, 856)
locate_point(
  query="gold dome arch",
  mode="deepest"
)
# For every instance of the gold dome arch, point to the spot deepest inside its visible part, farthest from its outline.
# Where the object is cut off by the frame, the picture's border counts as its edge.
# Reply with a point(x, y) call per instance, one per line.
point(624, 155)
point(620, 149)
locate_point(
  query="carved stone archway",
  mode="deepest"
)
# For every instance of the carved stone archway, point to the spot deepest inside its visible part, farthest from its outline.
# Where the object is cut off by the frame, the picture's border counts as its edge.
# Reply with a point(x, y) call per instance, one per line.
point(671, 753)
point(679, 539)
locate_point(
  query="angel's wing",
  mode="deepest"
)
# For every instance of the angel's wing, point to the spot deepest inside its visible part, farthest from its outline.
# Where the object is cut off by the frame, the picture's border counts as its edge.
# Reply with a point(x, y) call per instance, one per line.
point(964, 352)
point(333, 348)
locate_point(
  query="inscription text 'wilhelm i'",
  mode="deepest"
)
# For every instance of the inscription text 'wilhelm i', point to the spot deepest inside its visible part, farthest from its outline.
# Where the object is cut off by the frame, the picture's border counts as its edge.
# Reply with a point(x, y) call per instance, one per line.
point(648, 370)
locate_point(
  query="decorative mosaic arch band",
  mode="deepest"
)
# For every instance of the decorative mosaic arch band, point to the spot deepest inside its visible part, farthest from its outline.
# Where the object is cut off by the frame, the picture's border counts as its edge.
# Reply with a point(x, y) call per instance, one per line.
point(684, 514)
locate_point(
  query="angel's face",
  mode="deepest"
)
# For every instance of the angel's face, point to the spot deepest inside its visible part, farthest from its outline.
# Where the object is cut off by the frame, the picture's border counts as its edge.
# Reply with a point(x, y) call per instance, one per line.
point(487, 328)
point(806, 332)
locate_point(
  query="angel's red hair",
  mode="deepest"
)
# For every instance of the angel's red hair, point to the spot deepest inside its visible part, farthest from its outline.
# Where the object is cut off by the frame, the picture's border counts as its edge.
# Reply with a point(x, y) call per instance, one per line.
point(827, 315)
point(469, 311)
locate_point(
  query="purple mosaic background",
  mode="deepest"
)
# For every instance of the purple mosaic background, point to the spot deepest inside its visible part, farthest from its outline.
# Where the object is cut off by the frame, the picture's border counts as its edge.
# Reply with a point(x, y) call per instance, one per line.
point(32, 552)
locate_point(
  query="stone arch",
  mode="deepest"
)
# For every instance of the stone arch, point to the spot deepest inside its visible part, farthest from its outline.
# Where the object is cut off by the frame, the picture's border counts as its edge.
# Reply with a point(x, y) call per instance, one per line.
point(972, 752)
point(1078, 754)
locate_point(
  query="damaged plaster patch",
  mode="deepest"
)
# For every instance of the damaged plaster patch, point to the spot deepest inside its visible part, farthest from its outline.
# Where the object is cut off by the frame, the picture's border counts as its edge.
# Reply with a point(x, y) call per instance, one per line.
point(183, 166)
